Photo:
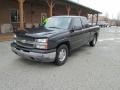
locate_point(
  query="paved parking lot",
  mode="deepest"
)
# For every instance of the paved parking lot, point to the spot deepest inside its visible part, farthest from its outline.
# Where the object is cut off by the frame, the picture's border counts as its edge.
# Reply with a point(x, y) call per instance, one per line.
point(88, 68)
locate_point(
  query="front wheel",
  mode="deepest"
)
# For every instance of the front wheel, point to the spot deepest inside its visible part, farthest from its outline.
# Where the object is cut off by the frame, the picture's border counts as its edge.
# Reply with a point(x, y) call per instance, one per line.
point(94, 41)
point(62, 55)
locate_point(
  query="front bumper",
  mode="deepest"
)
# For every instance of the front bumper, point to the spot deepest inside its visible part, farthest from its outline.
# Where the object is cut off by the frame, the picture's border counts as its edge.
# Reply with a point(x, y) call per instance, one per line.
point(42, 55)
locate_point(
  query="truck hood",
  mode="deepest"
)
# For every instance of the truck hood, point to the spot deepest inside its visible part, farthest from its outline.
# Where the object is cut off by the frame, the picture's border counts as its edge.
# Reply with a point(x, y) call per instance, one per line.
point(39, 32)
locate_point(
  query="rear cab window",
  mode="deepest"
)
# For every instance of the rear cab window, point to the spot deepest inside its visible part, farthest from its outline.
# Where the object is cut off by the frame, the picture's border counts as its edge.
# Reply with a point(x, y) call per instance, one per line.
point(84, 22)
point(76, 23)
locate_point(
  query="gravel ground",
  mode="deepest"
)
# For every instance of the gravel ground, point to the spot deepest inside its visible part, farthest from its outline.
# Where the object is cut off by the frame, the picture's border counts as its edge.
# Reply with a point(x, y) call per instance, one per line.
point(88, 68)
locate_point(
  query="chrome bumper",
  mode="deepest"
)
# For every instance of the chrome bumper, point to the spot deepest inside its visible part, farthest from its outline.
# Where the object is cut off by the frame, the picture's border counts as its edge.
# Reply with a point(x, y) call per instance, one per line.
point(42, 57)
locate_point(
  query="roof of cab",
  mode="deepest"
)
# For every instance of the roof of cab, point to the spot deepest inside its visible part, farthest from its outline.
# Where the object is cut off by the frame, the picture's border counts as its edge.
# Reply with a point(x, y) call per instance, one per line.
point(68, 16)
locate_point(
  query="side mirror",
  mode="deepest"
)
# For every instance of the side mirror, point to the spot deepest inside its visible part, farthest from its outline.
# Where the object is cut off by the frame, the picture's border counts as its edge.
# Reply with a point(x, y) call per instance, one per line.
point(72, 30)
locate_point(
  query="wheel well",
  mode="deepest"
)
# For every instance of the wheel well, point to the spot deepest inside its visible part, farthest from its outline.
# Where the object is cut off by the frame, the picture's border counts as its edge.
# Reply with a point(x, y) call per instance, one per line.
point(66, 43)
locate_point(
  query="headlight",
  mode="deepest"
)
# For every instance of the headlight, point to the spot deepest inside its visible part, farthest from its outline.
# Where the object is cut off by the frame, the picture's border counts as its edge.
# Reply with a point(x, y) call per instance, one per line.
point(41, 40)
point(15, 36)
point(41, 43)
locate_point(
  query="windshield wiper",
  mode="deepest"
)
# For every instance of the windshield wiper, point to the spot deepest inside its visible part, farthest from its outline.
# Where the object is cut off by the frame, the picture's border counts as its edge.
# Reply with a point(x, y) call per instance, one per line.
point(55, 27)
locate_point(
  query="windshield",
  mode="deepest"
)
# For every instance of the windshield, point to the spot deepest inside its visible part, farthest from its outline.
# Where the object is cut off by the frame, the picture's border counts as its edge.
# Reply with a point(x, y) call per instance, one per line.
point(58, 22)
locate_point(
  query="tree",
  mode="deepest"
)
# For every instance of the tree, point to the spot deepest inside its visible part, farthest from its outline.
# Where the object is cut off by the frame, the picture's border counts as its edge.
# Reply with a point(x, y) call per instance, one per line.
point(106, 17)
point(118, 19)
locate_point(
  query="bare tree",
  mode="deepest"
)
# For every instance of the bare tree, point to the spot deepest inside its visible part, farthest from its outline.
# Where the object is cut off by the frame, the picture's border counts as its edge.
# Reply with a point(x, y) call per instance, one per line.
point(106, 17)
point(118, 19)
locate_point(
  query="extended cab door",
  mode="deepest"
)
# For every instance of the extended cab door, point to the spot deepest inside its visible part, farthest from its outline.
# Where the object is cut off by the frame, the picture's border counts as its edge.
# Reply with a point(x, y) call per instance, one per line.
point(85, 29)
point(76, 33)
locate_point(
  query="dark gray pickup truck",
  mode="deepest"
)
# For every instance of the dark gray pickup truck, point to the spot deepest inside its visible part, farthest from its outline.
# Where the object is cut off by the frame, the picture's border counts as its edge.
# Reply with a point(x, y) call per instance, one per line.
point(54, 41)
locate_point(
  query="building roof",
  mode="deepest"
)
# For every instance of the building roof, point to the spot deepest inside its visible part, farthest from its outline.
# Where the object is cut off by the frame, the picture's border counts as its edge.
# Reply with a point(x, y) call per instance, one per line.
point(77, 5)
point(89, 10)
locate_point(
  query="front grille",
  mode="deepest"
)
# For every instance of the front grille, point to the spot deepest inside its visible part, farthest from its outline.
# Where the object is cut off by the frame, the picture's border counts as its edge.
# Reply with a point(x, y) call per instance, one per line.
point(26, 38)
point(25, 42)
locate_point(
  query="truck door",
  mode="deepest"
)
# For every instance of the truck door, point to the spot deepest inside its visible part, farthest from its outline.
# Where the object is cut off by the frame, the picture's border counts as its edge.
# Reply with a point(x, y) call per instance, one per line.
point(85, 29)
point(76, 33)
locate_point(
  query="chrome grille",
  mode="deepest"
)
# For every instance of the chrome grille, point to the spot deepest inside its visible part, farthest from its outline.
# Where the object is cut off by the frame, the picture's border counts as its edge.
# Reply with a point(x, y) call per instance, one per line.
point(25, 42)
point(26, 38)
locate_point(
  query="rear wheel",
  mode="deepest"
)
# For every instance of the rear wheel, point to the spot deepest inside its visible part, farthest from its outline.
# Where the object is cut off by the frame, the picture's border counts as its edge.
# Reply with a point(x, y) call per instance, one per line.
point(94, 41)
point(62, 55)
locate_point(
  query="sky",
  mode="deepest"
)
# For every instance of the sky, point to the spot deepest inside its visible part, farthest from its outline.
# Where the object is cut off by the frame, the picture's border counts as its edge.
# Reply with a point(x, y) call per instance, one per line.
point(110, 7)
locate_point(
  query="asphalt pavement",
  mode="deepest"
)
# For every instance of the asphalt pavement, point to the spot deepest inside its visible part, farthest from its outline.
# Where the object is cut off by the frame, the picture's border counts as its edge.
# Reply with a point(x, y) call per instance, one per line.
point(89, 68)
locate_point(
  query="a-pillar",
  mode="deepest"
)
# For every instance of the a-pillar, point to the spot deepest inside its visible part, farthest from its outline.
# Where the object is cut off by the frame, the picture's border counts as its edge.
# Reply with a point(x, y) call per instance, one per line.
point(21, 11)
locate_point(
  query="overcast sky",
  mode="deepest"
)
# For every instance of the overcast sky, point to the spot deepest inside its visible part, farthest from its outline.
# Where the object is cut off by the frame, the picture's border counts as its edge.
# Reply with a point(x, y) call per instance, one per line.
point(112, 7)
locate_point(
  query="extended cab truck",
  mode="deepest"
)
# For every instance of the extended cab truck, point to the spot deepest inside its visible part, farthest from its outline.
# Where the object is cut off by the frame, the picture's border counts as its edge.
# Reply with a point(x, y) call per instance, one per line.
point(54, 41)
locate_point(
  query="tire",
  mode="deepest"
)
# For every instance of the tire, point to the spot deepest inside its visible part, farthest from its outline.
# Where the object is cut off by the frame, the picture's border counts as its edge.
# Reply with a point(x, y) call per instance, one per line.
point(61, 55)
point(94, 41)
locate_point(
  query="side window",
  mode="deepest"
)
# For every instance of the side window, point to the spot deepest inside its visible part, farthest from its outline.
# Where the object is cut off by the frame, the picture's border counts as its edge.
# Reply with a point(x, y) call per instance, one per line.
point(76, 24)
point(84, 22)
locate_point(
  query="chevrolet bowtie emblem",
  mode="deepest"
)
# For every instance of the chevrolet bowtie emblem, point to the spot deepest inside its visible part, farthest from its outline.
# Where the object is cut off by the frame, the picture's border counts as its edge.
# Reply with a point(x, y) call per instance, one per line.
point(23, 41)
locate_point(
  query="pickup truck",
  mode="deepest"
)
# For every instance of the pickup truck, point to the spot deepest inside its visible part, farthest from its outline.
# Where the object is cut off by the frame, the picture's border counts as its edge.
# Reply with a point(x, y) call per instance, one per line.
point(54, 41)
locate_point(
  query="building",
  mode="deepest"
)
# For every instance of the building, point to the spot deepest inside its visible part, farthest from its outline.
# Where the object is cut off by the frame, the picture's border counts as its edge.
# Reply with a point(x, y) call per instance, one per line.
point(18, 14)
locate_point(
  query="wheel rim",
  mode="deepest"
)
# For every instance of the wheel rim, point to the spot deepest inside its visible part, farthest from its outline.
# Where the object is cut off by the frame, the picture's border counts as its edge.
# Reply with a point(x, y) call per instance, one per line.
point(62, 55)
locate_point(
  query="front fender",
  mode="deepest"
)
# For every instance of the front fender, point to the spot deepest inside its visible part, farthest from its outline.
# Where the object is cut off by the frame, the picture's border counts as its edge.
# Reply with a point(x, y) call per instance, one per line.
point(58, 39)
